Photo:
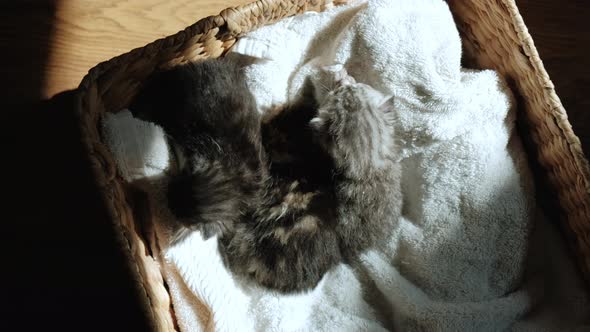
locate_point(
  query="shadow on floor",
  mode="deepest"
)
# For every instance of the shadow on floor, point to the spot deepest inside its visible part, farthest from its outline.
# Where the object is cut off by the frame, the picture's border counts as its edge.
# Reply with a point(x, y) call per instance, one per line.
point(61, 265)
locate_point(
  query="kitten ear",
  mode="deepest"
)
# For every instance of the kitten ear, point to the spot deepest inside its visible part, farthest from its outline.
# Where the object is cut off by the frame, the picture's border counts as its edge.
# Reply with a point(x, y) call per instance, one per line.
point(387, 105)
point(341, 76)
point(345, 79)
point(338, 74)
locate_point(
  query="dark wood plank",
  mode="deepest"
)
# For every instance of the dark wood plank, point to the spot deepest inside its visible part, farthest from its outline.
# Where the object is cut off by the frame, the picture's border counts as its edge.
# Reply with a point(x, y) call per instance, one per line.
point(561, 31)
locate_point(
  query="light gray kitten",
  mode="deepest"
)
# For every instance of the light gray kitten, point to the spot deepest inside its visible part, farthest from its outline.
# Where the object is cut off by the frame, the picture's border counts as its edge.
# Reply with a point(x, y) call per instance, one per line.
point(355, 126)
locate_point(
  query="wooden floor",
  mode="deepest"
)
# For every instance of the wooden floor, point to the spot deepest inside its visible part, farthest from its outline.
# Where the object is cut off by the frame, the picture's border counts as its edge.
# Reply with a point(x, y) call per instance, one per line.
point(66, 272)
point(86, 32)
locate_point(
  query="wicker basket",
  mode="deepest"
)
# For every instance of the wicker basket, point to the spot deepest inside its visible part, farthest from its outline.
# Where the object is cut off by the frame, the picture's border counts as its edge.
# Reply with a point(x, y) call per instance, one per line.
point(494, 36)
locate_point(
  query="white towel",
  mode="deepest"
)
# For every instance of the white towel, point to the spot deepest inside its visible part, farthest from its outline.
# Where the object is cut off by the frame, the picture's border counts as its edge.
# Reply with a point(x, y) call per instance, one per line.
point(457, 260)
point(140, 147)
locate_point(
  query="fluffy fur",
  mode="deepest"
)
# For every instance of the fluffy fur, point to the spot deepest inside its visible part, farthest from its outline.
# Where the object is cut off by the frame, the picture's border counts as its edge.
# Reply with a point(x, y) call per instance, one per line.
point(210, 116)
point(281, 222)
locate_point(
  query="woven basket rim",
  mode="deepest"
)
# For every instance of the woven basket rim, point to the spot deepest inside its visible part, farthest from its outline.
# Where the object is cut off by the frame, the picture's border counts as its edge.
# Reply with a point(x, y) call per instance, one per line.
point(559, 113)
point(105, 172)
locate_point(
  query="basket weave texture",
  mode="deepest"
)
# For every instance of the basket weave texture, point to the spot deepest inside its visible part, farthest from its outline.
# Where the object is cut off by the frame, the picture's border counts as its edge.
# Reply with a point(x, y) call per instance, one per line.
point(494, 36)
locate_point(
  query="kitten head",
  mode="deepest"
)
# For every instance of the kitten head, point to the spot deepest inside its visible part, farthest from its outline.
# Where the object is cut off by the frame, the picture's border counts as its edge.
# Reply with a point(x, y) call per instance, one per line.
point(355, 126)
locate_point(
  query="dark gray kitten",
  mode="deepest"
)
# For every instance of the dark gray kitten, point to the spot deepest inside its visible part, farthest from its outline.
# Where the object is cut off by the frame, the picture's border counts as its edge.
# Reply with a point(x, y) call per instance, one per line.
point(210, 116)
point(286, 226)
